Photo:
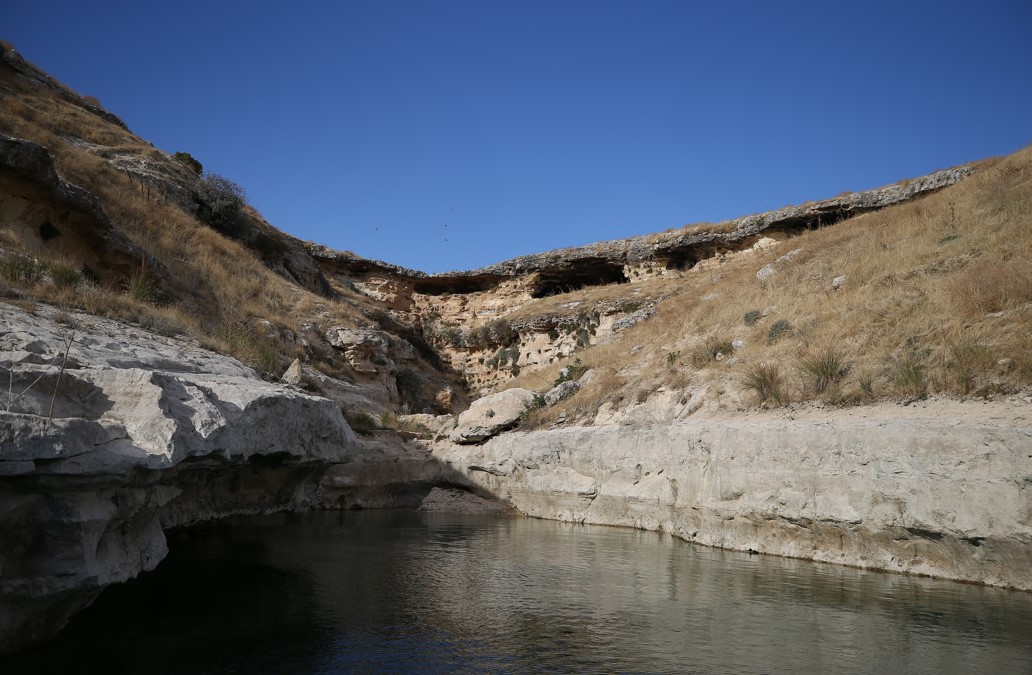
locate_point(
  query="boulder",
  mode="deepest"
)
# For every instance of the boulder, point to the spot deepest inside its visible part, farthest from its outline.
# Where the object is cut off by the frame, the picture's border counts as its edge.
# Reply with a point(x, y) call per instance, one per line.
point(561, 391)
point(491, 415)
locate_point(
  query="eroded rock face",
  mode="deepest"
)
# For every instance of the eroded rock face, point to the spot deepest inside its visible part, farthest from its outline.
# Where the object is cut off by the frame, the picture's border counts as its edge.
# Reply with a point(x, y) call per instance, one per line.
point(375, 357)
point(905, 495)
point(51, 215)
point(127, 435)
point(455, 310)
point(491, 415)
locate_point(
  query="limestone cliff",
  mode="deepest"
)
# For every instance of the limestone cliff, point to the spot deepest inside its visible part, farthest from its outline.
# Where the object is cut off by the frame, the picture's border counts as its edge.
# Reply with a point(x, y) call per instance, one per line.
point(485, 323)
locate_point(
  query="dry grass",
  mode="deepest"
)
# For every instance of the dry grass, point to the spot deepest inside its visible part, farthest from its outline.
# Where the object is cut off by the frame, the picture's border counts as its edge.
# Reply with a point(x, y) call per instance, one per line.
point(938, 299)
point(204, 284)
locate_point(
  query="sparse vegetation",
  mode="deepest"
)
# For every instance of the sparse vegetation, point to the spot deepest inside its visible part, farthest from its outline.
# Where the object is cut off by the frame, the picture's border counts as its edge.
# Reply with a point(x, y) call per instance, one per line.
point(953, 269)
point(766, 380)
point(222, 202)
point(909, 375)
point(778, 330)
point(187, 159)
point(822, 368)
point(966, 361)
point(712, 349)
point(361, 422)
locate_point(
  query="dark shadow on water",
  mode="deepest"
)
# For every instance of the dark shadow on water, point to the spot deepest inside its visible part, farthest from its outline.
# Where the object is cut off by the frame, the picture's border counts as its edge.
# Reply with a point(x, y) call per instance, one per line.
point(401, 591)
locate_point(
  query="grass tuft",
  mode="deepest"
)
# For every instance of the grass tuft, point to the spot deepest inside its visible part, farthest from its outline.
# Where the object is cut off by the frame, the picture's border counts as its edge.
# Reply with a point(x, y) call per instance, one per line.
point(767, 381)
point(822, 368)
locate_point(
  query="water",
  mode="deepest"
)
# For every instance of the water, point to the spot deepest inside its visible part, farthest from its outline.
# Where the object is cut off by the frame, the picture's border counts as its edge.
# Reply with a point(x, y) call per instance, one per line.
point(397, 591)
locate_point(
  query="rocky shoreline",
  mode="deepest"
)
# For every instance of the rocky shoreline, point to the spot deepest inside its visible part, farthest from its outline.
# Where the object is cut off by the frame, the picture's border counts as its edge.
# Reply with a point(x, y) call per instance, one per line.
point(931, 492)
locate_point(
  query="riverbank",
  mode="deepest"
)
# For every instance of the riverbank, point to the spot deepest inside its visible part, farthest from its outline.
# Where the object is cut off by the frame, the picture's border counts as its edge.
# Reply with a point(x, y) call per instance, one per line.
point(937, 488)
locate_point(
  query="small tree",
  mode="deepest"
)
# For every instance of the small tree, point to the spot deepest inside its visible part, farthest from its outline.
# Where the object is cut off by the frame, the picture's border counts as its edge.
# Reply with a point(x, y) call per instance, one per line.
point(221, 203)
point(191, 163)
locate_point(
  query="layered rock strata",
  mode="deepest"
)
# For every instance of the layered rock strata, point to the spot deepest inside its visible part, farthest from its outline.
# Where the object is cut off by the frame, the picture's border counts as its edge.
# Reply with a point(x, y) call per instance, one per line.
point(925, 496)
point(454, 309)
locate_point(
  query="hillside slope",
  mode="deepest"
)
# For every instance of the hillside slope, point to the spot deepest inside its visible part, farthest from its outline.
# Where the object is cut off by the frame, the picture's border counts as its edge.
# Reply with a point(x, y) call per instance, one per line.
point(918, 288)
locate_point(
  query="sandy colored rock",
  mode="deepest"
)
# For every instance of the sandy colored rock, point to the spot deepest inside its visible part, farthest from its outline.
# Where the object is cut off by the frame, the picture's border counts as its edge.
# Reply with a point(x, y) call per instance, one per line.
point(491, 415)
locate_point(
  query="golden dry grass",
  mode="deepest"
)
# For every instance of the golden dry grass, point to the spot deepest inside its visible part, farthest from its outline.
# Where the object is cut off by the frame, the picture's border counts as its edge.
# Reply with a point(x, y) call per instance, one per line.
point(209, 286)
point(937, 299)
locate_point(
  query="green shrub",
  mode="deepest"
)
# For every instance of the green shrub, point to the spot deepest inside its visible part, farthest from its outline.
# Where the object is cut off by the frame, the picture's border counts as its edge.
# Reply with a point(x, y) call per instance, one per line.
point(191, 163)
point(537, 403)
point(505, 356)
point(360, 421)
point(21, 269)
point(573, 371)
point(141, 287)
point(751, 317)
point(388, 420)
point(778, 329)
point(249, 347)
point(221, 204)
point(965, 361)
point(64, 274)
point(909, 376)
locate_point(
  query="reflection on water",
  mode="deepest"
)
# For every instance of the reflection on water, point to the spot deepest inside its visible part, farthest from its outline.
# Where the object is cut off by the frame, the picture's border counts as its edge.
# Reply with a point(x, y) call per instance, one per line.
point(402, 591)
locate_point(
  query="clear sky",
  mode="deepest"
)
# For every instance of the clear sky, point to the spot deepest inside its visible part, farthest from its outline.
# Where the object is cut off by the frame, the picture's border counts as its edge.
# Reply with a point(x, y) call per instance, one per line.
point(450, 134)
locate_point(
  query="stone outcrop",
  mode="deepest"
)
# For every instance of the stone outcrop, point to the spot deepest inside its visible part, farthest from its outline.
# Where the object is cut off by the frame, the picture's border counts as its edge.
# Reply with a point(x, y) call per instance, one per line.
point(618, 260)
point(919, 495)
point(51, 215)
point(492, 415)
point(110, 434)
point(454, 308)
point(30, 73)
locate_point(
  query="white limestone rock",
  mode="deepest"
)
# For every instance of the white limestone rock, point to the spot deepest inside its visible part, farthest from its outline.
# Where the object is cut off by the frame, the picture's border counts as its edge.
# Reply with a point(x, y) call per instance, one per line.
point(561, 391)
point(136, 433)
point(873, 489)
point(491, 415)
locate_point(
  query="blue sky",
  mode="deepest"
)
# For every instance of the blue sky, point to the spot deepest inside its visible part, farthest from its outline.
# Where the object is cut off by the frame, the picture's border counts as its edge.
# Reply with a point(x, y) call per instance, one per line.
point(449, 135)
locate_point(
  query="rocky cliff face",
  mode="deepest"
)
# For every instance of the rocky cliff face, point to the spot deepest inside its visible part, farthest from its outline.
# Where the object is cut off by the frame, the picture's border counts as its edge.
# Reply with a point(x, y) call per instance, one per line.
point(460, 312)
point(47, 213)
point(916, 494)
point(110, 435)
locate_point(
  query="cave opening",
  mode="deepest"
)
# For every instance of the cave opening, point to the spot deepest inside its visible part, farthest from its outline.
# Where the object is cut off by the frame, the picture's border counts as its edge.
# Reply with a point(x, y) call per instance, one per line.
point(578, 274)
point(457, 285)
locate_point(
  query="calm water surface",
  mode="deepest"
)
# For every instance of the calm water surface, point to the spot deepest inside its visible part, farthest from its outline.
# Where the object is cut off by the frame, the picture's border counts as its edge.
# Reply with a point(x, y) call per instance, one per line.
point(397, 591)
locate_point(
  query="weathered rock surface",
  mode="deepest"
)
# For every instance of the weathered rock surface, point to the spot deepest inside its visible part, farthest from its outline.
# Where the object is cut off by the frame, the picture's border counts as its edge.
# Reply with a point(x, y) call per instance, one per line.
point(948, 499)
point(561, 391)
point(491, 415)
point(49, 214)
point(375, 357)
point(604, 262)
point(455, 310)
point(110, 434)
